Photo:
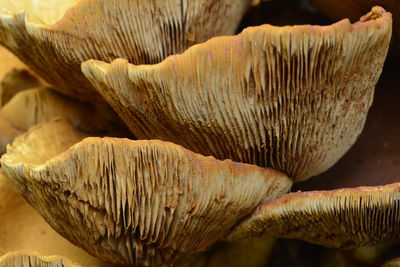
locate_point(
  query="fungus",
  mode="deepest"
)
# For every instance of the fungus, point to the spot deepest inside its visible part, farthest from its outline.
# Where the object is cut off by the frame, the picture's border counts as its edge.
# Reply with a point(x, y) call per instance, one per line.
point(291, 98)
point(22, 228)
point(355, 8)
point(14, 81)
point(137, 202)
point(29, 259)
point(33, 106)
point(141, 31)
point(344, 218)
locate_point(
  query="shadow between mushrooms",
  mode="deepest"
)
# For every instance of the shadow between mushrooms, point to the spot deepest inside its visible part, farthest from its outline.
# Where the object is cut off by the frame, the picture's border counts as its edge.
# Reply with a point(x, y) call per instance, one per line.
point(134, 202)
point(142, 31)
point(292, 98)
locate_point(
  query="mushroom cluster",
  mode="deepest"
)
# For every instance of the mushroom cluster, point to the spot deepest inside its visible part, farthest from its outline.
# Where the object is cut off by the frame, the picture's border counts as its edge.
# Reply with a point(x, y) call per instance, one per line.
point(147, 133)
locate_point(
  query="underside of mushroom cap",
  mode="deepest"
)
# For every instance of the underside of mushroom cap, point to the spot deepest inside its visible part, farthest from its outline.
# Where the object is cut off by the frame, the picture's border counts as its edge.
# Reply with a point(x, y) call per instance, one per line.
point(142, 31)
point(33, 259)
point(291, 98)
point(22, 228)
point(137, 202)
point(353, 9)
point(343, 218)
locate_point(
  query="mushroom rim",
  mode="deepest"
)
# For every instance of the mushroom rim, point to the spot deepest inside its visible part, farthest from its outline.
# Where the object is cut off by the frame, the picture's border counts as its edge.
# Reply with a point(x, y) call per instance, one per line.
point(376, 18)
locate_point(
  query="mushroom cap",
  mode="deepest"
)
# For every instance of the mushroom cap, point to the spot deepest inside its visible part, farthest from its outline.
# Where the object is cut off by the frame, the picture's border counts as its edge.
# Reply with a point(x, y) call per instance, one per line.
point(29, 259)
point(292, 98)
point(33, 106)
point(14, 81)
point(22, 228)
point(137, 202)
point(344, 218)
point(142, 31)
point(353, 9)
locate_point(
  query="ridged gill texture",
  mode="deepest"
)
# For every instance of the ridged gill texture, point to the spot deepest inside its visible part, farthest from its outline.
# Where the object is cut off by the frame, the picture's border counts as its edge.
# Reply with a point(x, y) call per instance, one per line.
point(343, 218)
point(141, 31)
point(32, 259)
point(291, 98)
point(355, 8)
point(137, 202)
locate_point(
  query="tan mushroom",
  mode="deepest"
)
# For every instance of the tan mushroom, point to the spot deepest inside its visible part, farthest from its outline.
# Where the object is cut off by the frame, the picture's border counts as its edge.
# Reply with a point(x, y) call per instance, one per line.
point(16, 80)
point(291, 98)
point(32, 259)
point(138, 202)
point(353, 9)
point(344, 218)
point(141, 31)
point(22, 228)
point(33, 106)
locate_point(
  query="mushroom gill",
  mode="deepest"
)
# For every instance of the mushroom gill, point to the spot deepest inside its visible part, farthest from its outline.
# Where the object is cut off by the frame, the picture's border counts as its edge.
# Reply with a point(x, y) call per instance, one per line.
point(22, 228)
point(142, 31)
point(33, 259)
point(344, 218)
point(134, 202)
point(292, 98)
point(354, 8)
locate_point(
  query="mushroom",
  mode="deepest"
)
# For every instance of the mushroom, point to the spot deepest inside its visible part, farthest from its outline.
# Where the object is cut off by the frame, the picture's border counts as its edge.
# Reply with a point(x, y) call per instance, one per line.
point(14, 81)
point(141, 31)
point(22, 228)
point(29, 259)
point(291, 98)
point(354, 8)
point(32, 106)
point(134, 202)
point(345, 214)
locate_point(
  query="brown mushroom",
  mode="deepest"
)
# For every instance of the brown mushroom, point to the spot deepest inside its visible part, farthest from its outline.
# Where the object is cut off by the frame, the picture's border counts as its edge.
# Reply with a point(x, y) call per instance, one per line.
point(32, 259)
point(141, 31)
point(137, 202)
point(33, 106)
point(22, 228)
point(353, 9)
point(291, 98)
point(14, 81)
point(344, 218)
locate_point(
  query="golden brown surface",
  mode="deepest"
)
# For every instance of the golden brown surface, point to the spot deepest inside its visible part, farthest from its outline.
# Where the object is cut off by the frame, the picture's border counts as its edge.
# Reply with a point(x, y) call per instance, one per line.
point(353, 9)
point(33, 106)
point(141, 31)
point(15, 81)
point(32, 259)
point(8, 62)
point(291, 98)
point(22, 228)
point(344, 218)
point(138, 202)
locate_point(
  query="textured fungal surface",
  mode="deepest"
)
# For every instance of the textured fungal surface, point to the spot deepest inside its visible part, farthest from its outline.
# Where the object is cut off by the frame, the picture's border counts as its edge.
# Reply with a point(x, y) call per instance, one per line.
point(33, 106)
point(344, 218)
point(291, 98)
point(22, 228)
point(141, 31)
point(355, 8)
point(31, 259)
point(138, 202)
